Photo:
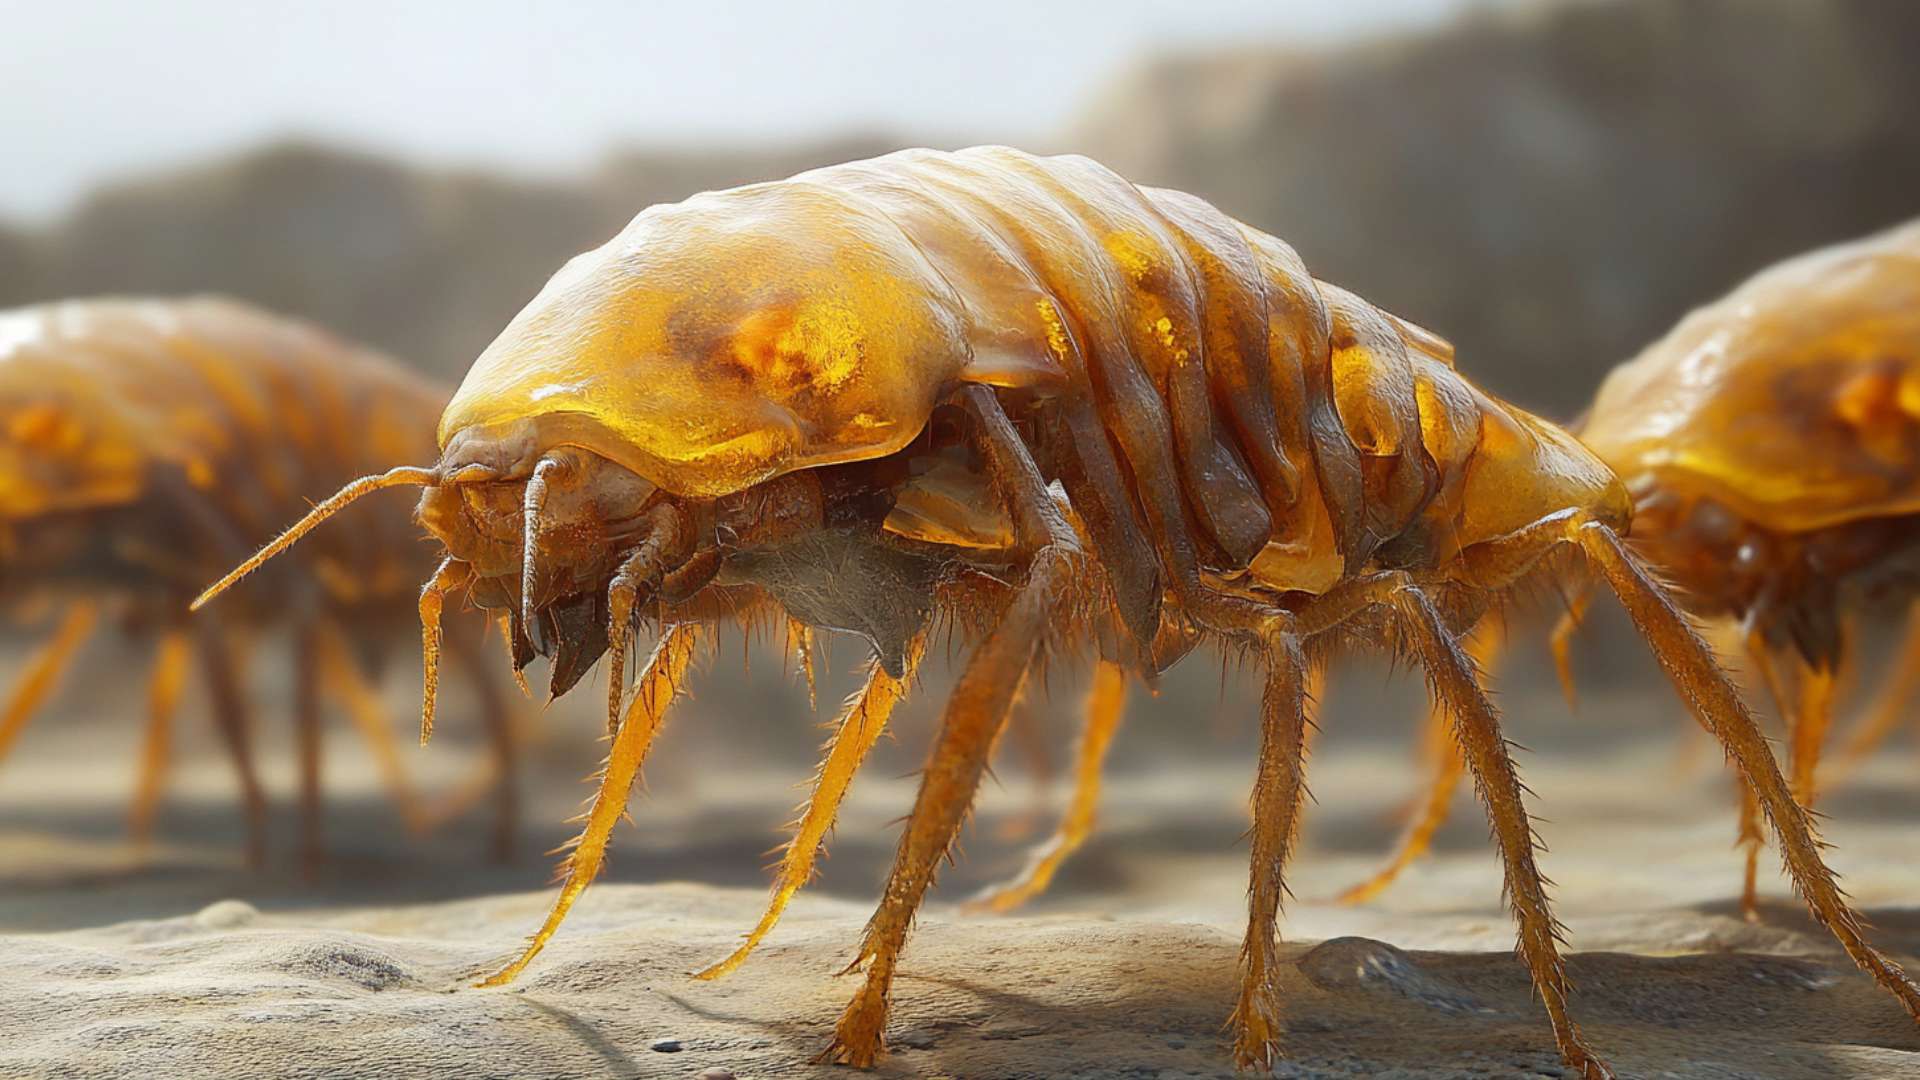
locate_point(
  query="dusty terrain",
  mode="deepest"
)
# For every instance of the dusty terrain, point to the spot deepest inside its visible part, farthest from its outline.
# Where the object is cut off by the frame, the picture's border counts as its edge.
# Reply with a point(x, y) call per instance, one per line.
point(187, 964)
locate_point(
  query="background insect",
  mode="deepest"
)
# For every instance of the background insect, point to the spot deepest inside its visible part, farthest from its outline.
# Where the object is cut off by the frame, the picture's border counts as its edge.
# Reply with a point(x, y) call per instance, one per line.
point(1022, 399)
point(1772, 445)
point(144, 444)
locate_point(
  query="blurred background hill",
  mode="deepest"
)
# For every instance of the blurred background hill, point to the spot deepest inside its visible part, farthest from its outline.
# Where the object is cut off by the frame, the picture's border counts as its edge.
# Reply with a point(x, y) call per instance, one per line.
point(1549, 184)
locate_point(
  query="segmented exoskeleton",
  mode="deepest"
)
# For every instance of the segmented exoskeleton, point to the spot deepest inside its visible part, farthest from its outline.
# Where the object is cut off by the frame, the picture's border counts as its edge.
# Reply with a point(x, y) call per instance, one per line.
point(1771, 442)
point(145, 445)
point(1059, 411)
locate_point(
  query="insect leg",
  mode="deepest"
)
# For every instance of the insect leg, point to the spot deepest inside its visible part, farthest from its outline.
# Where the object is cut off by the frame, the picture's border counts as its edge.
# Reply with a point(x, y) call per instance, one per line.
point(342, 677)
point(45, 669)
point(659, 685)
point(1713, 699)
point(861, 723)
point(1752, 839)
point(1477, 728)
point(1483, 647)
point(230, 717)
point(1106, 702)
point(1561, 641)
point(170, 659)
point(1807, 732)
point(1279, 787)
point(974, 716)
point(1895, 695)
point(450, 575)
point(643, 567)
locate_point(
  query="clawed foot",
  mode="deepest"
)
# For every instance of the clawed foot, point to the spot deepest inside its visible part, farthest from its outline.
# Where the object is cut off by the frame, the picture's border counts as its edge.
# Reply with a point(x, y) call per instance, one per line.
point(1584, 1064)
point(1256, 1030)
point(857, 1039)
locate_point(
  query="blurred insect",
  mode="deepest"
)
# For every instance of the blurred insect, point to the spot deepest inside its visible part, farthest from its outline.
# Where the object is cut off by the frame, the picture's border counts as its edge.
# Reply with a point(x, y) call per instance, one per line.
point(1772, 445)
point(1026, 401)
point(144, 445)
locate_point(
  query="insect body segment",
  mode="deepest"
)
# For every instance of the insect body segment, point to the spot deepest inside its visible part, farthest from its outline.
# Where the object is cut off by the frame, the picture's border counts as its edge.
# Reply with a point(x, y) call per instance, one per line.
point(144, 444)
point(1022, 400)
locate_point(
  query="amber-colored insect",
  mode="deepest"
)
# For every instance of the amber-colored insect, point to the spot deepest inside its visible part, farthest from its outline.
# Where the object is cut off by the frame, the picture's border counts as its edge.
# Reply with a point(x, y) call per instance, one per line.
point(1026, 397)
point(1772, 445)
point(144, 445)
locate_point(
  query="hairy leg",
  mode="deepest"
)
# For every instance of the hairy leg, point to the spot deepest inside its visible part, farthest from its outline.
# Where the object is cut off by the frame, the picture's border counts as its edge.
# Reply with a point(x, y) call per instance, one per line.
point(1484, 646)
point(974, 717)
point(1278, 790)
point(659, 685)
point(861, 723)
point(230, 718)
point(1717, 705)
point(1477, 727)
point(1106, 702)
point(1477, 730)
point(170, 658)
point(44, 671)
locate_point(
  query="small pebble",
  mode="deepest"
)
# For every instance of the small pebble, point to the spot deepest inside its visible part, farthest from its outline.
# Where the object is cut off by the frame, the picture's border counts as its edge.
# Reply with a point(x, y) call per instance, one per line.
point(665, 1046)
point(225, 915)
point(716, 1074)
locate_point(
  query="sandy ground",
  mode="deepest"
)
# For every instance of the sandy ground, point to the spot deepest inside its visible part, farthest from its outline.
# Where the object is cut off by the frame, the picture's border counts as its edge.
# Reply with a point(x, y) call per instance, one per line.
point(184, 963)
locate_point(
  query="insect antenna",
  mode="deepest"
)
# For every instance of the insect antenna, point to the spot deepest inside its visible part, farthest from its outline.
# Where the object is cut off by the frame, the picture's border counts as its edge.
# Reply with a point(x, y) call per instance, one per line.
point(402, 476)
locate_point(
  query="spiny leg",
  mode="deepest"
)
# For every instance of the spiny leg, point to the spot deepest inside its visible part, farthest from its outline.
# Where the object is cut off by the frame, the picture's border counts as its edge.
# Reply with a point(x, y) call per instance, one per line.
point(1484, 646)
point(1717, 705)
point(342, 677)
point(1714, 700)
point(659, 685)
point(972, 722)
point(1477, 727)
point(1883, 716)
point(973, 719)
point(230, 717)
point(1106, 703)
point(450, 575)
point(44, 670)
point(168, 676)
point(860, 726)
point(1279, 788)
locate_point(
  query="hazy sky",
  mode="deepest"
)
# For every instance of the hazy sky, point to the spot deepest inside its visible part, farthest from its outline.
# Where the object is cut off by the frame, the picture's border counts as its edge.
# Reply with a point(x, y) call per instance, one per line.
point(90, 90)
